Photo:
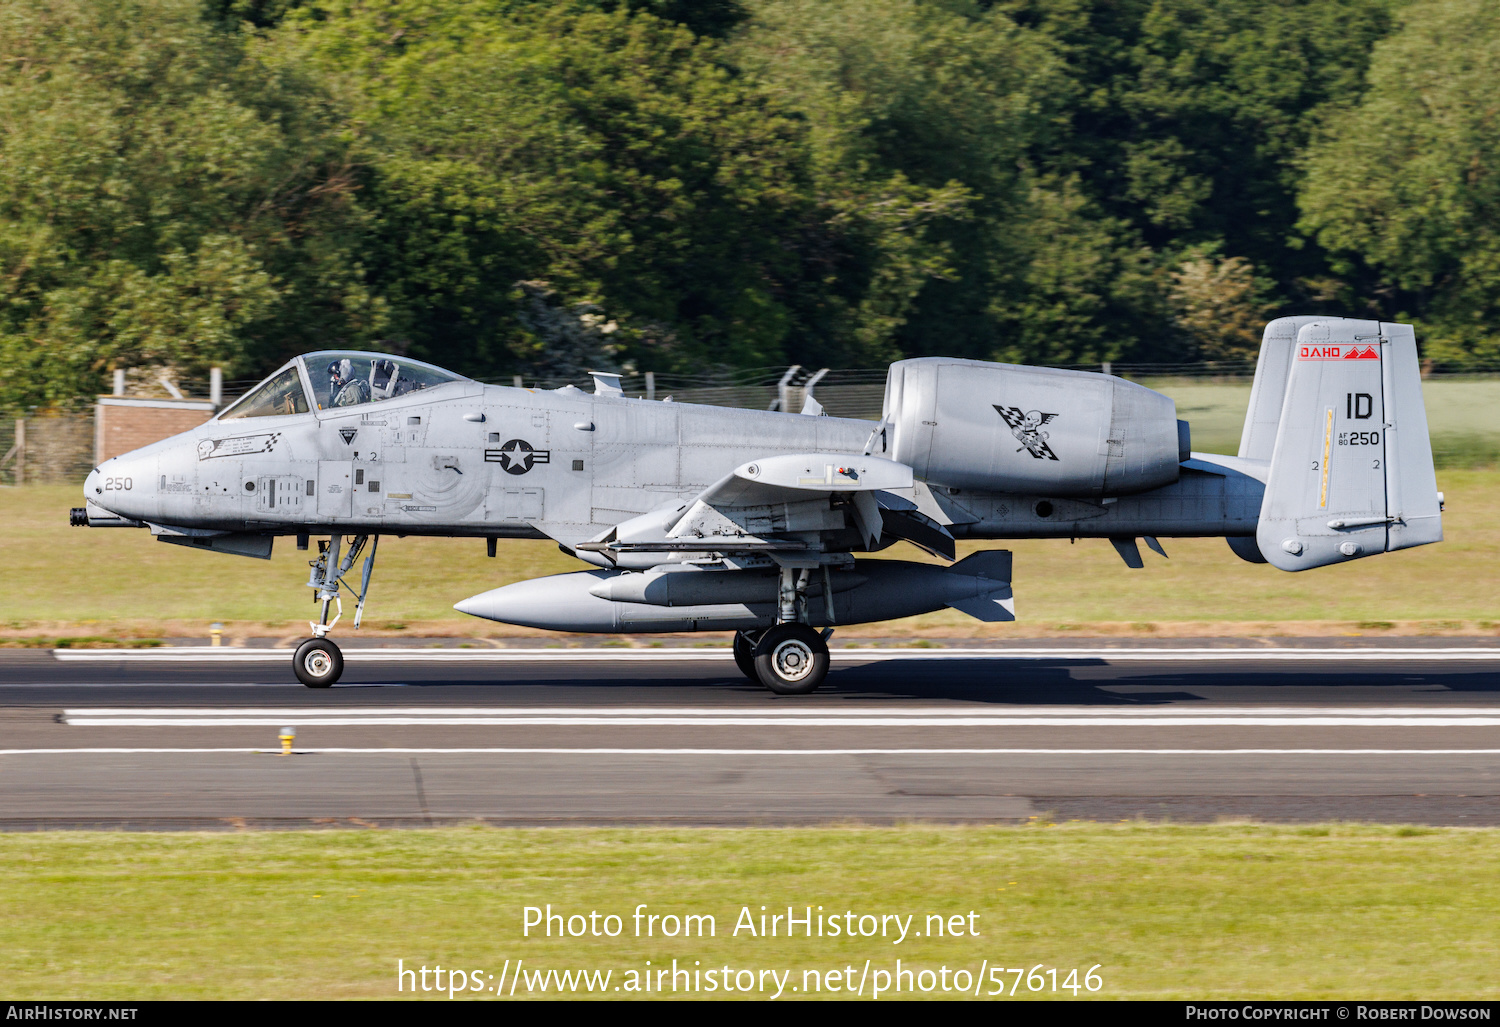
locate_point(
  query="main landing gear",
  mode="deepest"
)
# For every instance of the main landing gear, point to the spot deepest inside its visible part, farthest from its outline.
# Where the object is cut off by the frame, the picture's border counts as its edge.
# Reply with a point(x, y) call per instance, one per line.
point(319, 662)
point(789, 659)
point(744, 652)
point(792, 657)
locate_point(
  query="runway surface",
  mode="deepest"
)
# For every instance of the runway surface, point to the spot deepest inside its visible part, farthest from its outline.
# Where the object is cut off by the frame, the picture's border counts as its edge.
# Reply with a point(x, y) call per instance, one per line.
point(1317, 730)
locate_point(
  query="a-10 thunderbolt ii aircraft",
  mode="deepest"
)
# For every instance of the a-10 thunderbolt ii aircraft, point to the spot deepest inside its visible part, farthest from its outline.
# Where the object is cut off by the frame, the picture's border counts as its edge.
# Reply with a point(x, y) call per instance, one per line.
point(700, 518)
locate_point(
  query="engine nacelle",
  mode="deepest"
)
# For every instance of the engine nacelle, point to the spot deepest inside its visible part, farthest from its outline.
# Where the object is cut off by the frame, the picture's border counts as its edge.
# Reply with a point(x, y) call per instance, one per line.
point(1008, 428)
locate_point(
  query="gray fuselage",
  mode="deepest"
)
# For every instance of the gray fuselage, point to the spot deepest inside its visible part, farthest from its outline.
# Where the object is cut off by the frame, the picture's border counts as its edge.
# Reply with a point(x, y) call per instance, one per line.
point(466, 459)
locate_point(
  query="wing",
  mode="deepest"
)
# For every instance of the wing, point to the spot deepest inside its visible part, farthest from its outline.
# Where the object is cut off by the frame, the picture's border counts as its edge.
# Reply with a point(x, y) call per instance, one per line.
point(784, 505)
point(1048, 418)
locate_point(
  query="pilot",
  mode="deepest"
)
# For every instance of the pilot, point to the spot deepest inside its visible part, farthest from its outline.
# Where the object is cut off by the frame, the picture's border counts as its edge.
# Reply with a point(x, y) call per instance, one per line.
point(344, 389)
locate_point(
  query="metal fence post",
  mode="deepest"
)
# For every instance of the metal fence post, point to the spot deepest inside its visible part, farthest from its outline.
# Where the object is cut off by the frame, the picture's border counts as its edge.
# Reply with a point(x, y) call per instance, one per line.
point(784, 389)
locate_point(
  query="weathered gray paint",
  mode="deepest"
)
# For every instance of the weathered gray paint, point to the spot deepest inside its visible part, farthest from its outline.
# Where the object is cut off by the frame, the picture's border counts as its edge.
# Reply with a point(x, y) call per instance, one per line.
point(954, 423)
point(1351, 475)
point(965, 450)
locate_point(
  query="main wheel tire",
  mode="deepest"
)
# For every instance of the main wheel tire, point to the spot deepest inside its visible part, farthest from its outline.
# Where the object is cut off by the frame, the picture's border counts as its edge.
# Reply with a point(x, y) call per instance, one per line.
point(791, 659)
point(318, 663)
point(744, 655)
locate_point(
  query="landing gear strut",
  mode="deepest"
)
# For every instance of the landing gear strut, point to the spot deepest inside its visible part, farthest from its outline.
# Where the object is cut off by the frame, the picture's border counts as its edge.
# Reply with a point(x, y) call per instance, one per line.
point(790, 658)
point(319, 663)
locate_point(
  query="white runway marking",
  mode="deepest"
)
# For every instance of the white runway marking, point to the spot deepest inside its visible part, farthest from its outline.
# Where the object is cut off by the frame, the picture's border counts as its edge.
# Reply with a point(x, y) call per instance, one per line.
point(559, 751)
point(209, 654)
point(945, 717)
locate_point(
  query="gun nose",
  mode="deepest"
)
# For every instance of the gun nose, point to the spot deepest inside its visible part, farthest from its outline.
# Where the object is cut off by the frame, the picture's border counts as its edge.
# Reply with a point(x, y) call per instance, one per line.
point(93, 487)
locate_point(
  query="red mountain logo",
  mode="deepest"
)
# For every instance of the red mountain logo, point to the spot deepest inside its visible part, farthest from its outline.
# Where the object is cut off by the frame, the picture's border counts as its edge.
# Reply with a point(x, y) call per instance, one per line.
point(1354, 351)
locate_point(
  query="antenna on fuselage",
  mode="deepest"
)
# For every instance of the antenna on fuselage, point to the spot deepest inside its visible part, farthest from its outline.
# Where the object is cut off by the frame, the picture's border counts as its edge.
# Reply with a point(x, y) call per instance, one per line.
point(606, 383)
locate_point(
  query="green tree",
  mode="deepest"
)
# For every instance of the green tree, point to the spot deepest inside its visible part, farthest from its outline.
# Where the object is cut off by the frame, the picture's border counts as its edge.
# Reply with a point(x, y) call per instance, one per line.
point(929, 110)
point(1407, 181)
point(1184, 123)
point(702, 17)
point(1088, 290)
point(611, 155)
point(165, 198)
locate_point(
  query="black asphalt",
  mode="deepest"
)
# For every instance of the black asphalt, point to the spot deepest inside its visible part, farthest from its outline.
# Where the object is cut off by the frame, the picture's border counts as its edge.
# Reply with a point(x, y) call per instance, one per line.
point(409, 775)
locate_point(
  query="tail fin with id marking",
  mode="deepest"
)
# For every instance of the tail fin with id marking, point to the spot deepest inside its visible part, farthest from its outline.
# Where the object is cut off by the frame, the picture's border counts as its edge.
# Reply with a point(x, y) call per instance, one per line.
point(1351, 471)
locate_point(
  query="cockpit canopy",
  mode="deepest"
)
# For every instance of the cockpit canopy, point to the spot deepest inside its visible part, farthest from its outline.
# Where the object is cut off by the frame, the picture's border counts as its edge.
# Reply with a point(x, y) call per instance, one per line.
point(338, 378)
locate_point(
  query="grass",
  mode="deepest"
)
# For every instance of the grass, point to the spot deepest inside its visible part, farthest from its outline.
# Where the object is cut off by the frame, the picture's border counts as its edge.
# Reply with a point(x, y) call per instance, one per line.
point(1460, 415)
point(1224, 911)
point(85, 642)
point(121, 583)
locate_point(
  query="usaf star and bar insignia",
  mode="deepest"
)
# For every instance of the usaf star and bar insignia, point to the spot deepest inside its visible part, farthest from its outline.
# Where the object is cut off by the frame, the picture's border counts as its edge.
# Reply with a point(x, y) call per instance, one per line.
point(517, 456)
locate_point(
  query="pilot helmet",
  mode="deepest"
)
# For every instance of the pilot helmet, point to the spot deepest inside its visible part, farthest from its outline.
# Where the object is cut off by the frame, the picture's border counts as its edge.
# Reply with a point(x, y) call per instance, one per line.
point(340, 371)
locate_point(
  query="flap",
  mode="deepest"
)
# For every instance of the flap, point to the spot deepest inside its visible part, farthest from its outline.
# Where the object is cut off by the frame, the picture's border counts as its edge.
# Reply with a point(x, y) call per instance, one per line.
point(901, 519)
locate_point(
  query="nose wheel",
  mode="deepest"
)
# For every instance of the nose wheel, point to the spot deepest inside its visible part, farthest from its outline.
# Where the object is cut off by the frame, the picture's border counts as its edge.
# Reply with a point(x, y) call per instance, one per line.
point(318, 663)
point(791, 659)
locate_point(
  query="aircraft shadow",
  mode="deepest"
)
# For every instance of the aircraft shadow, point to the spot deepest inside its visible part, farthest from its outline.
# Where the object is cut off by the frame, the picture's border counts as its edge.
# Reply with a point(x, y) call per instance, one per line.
point(1031, 683)
point(980, 680)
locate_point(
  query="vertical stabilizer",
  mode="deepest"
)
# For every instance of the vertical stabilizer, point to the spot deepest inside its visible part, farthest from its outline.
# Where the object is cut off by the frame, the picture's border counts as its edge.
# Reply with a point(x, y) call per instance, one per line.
point(1411, 482)
point(1351, 471)
point(1277, 344)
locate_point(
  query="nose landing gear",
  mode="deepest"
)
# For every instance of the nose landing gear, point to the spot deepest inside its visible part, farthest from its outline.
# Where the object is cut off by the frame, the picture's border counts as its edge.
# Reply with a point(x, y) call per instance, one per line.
point(319, 662)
